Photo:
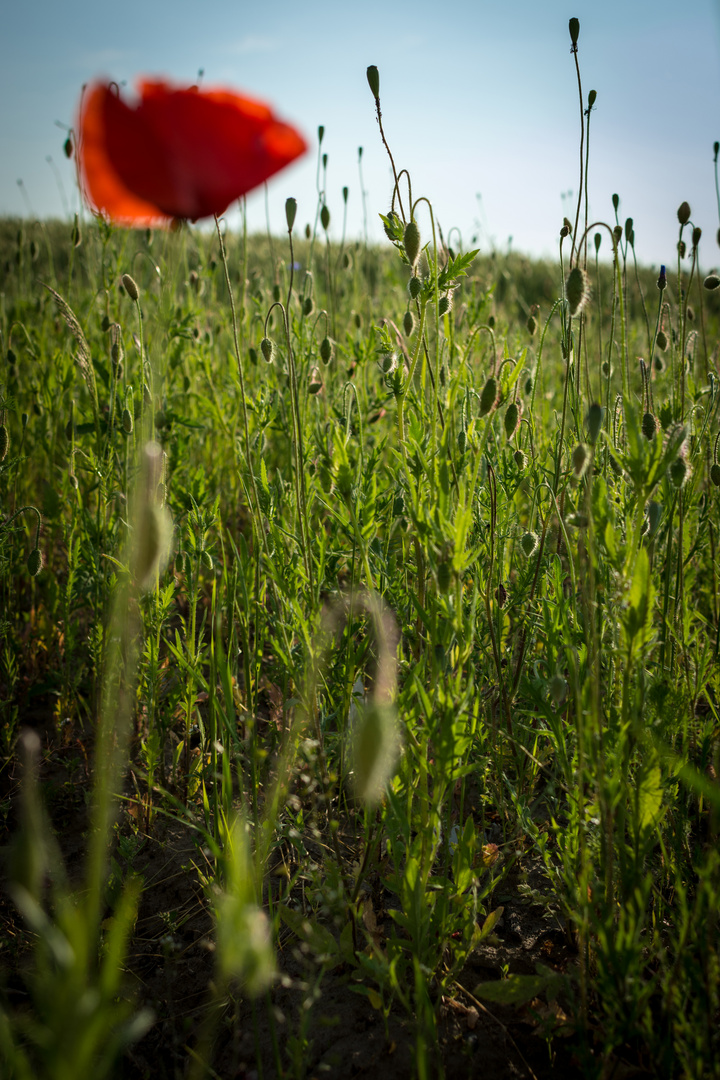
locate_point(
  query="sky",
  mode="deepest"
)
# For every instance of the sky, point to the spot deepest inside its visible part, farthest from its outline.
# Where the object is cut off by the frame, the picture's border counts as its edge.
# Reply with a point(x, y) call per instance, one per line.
point(480, 103)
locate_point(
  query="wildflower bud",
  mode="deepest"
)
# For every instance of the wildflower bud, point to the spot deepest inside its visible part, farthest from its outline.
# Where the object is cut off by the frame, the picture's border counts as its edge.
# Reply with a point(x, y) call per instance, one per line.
point(326, 350)
point(414, 286)
point(127, 421)
point(179, 562)
point(616, 202)
point(489, 396)
point(35, 562)
point(491, 322)
point(649, 426)
point(557, 688)
point(661, 340)
point(373, 78)
point(617, 234)
point(443, 374)
point(347, 260)
point(76, 233)
point(577, 290)
point(574, 26)
point(345, 193)
point(4, 441)
point(68, 148)
point(325, 217)
point(409, 322)
point(712, 281)
point(321, 133)
point(207, 559)
point(444, 305)
point(290, 212)
point(520, 459)
point(267, 348)
point(628, 228)
point(696, 234)
point(358, 321)
point(682, 248)
point(659, 364)
point(511, 420)
point(529, 385)
point(690, 313)
point(715, 474)
point(462, 440)
point(308, 231)
point(683, 213)
point(24, 420)
point(564, 231)
point(308, 305)
point(592, 98)
point(411, 242)
point(444, 576)
point(662, 279)
point(716, 148)
point(529, 543)
point(253, 356)
point(597, 239)
point(580, 460)
point(388, 363)
point(130, 288)
point(593, 422)
point(679, 472)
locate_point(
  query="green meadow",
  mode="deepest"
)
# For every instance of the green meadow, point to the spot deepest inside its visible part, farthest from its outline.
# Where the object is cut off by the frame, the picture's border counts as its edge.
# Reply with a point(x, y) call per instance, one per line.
point(359, 632)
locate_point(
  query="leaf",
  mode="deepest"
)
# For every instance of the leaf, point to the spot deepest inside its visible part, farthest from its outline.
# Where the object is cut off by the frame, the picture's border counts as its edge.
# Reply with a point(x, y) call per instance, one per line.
point(519, 989)
point(649, 798)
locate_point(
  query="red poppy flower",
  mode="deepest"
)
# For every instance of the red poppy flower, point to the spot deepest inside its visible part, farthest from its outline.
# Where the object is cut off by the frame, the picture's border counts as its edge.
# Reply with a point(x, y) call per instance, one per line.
point(180, 152)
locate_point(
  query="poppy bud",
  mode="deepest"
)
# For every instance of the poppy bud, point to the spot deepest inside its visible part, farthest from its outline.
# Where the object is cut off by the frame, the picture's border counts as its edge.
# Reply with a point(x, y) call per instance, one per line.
point(411, 242)
point(577, 290)
point(326, 350)
point(683, 213)
point(373, 78)
point(592, 98)
point(712, 281)
point(649, 426)
point(696, 234)
point(489, 396)
point(130, 288)
point(207, 559)
point(253, 356)
point(715, 474)
point(616, 202)
point(529, 543)
point(358, 320)
point(4, 441)
point(409, 322)
point(617, 234)
point(628, 228)
point(345, 193)
point(127, 421)
point(662, 279)
point(68, 147)
point(308, 305)
point(444, 305)
point(511, 420)
point(529, 385)
point(444, 576)
point(520, 459)
point(564, 231)
point(661, 340)
point(290, 212)
point(580, 460)
point(574, 26)
point(308, 231)
point(531, 324)
point(679, 471)
point(267, 348)
point(414, 286)
point(682, 248)
point(594, 422)
point(659, 363)
point(35, 562)
point(557, 688)
point(325, 217)
point(462, 441)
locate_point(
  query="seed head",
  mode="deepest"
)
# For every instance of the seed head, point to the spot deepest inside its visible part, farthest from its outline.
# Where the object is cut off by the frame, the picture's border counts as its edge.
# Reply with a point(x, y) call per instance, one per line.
point(577, 290)
point(683, 213)
point(130, 288)
point(35, 562)
point(489, 396)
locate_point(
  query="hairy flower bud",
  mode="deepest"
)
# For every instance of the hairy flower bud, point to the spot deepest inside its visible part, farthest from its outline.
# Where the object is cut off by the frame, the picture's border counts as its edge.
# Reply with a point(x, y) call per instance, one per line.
point(35, 562)
point(290, 212)
point(683, 213)
point(267, 348)
point(414, 286)
point(408, 323)
point(489, 396)
point(130, 287)
point(649, 426)
point(373, 78)
point(594, 422)
point(4, 441)
point(411, 242)
point(325, 217)
point(711, 282)
point(574, 27)
point(326, 350)
point(577, 290)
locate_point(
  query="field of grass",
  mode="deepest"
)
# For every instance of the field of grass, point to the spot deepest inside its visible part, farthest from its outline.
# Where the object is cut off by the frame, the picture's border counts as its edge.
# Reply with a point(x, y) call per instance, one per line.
point(359, 632)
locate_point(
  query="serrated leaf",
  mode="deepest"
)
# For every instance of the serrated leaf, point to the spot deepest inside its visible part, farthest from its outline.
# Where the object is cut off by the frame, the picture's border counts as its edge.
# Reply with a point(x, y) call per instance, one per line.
point(650, 796)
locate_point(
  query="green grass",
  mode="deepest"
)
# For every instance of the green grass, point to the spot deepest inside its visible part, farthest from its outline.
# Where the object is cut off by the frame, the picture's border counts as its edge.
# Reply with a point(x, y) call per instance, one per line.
point(437, 610)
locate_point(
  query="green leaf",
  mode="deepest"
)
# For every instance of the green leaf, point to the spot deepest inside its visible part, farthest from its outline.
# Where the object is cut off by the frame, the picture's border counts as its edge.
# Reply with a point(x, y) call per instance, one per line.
point(649, 797)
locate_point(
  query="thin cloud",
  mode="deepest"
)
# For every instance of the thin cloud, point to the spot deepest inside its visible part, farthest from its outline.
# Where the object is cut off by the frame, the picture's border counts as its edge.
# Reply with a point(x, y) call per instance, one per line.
point(252, 44)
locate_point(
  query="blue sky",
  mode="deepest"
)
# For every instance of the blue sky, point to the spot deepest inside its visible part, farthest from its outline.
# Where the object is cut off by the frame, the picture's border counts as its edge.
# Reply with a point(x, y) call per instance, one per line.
point(479, 103)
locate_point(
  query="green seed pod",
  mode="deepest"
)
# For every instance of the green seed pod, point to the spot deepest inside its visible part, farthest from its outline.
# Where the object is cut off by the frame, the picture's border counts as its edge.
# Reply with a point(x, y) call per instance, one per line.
point(511, 420)
point(715, 474)
point(408, 323)
point(444, 576)
point(414, 287)
point(593, 422)
point(326, 350)
point(683, 214)
point(373, 78)
point(4, 441)
point(35, 562)
point(411, 242)
point(649, 426)
point(520, 459)
point(529, 543)
point(574, 26)
point(130, 287)
point(557, 689)
point(267, 348)
point(711, 282)
point(580, 460)
point(127, 421)
point(290, 212)
point(207, 558)
point(489, 396)
point(325, 217)
point(661, 340)
point(577, 290)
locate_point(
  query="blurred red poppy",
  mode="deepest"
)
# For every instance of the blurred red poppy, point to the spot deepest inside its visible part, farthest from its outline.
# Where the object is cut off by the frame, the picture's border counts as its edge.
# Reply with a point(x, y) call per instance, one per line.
point(180, 152)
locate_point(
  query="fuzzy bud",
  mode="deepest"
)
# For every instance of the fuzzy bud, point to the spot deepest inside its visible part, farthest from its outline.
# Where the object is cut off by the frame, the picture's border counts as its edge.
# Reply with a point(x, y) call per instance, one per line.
point(594, 422)
point(462, 440)
point(683, 214)
point(520, 459)
point(68, 148)
point(489, 396)
point(127, 421)
point(325, 217)
point(326, 350)
point(267, 348)
point(715, 474)
point(308, 231)
point(290, 212)
point(408, 323)
point(411, 242)
point(628, 228)
point(4, 441)
point(444, 305)
point(35, 562)
point(679, 471)
point(580, 460)
point(696, 234)
point(592, 98)
point(577, 290)
point(130, 287)
point(207, 559)
point(661, 340)
point(557, 688)
point(649, 426)
point(414, 287)
point(308, 306)
point(616, 202)
point(617, 234)
point(511, 420)
point(373, 78)
point(574, 27)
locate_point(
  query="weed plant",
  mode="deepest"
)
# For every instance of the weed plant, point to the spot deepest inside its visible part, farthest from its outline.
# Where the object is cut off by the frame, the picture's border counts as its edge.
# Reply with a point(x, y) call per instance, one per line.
point(387, 575)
